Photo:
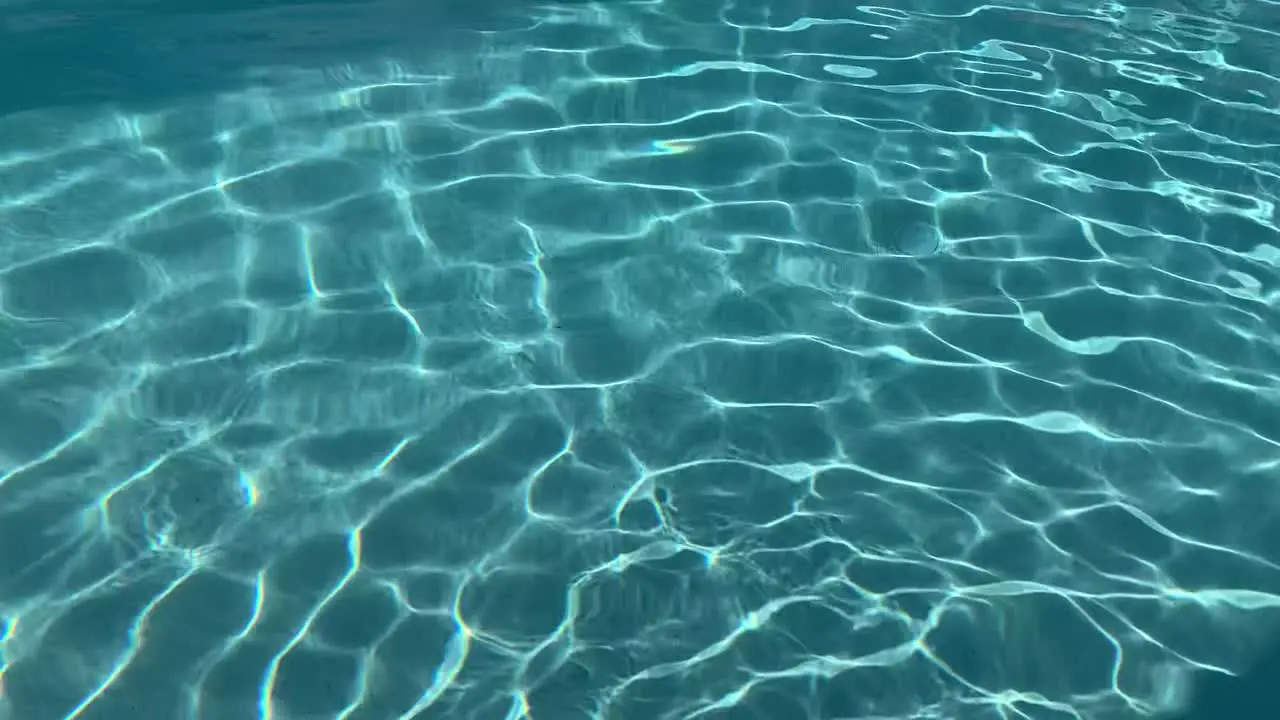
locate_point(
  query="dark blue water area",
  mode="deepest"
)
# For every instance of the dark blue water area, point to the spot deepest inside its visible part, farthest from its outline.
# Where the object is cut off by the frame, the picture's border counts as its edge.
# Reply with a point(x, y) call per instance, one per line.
point(149, 52)
point(639, 360)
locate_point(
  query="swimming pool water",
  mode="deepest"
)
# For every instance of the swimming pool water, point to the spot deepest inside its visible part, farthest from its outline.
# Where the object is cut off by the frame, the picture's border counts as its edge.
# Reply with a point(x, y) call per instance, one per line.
point(655, 359)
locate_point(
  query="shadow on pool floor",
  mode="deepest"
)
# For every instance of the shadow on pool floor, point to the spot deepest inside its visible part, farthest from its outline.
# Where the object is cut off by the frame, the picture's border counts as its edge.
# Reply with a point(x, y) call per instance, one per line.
point(142, 54)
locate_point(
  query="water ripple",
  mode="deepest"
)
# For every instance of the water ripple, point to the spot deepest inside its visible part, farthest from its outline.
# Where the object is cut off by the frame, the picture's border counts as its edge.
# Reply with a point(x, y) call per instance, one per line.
point(654, 359)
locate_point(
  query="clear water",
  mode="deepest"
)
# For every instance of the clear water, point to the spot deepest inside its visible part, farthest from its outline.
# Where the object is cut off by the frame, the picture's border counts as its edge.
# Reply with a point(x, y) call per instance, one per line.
point(639, 360)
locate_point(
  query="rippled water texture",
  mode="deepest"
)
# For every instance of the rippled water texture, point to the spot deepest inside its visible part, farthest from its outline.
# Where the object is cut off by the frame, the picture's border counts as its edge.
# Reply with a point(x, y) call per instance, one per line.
point(639, 360)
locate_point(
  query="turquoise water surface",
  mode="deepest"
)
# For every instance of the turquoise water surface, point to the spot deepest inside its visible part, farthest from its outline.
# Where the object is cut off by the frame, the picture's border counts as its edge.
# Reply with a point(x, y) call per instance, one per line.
point(639, 360)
